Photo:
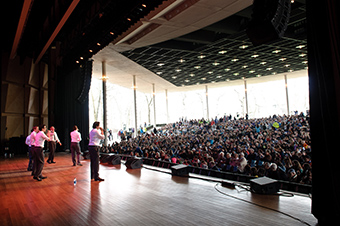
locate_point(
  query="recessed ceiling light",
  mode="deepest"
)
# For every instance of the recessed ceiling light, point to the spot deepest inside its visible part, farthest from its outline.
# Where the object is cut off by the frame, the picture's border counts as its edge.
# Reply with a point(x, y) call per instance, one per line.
point(302, 55)
point(300, 46)
point(236, 74)
point(203, 78)
point(218, 76)
point(160, 64)
point(234, 60)
point(212, 81)
point(210, 72)
point(263, 62)
point(181, 60)
point(282, 59)
point(197, 83)
point(187, 80)
point(178, 70)
point(274, 73)
point(174, 77)
point(290, 70)
point(252, 71)
point(258, 75)
point(77, 61)
point(243, 46)
point(305, 62)
point(287, 65)
point(90, 51)
point(269, 68)
point(82, 58)
point(201, 56)
point(128, 19)
point(215, 63)
point(192, 75)
point(144, 5)
point(227, 79)
point(111, 33)
point(98, 44)
point(276, 51)
point(254, 56)
point(227, 69)
point(222, 52)
point(159, 72)
point(244, 66)
point(197, 67)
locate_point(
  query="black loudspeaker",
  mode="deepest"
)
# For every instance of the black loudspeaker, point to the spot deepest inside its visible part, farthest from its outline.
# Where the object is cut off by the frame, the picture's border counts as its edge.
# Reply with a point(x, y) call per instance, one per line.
point(104, 158)
point(86, 155)
point(264, 185)
point(134, 163)
point(114, 160)
point(269, 20)
point(180, 170)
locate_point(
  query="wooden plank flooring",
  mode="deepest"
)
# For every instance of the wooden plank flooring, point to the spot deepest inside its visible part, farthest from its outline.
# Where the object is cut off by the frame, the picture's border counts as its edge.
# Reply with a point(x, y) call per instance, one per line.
point(133, 197)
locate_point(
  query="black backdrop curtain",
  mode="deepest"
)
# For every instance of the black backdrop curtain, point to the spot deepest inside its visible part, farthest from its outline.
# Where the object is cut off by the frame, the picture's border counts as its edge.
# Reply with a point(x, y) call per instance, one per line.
point(72, 104)
point(324, 87)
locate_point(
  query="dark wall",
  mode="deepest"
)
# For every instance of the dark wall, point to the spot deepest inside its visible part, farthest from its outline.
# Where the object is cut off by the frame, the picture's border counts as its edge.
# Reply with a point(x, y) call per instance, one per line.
point(323, 18)
point(71, 102)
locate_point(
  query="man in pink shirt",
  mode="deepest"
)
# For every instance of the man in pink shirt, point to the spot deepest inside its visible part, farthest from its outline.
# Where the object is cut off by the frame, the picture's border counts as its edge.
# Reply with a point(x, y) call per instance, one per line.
point(75, 148)
point(39, 154)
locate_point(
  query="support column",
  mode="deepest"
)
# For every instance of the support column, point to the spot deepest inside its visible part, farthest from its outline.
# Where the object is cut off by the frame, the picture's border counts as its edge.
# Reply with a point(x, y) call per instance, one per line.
point(287, 100)
point(207, 99)
point(154, 104)
point(135, 102)
point(104, 78)
point(167, 109)
point(246, 96)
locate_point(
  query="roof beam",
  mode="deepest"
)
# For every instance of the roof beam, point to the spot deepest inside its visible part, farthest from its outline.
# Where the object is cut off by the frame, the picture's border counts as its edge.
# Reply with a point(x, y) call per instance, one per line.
point(21, 26)
point(58, 28)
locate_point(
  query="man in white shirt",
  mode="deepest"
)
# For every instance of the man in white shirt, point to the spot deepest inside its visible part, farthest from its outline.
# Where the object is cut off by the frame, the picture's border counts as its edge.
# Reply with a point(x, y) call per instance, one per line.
point(32, 141)
point(96, 134)
point(75, 148)
point(28, 143)
point(39, 154)
point(52, 144)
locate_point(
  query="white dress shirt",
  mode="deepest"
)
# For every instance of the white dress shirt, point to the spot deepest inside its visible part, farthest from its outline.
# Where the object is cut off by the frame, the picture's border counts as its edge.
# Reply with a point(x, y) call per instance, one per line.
point(40, 139)
point(54, 137)
point(75, 136)
point(95, 137)
point(32, 138)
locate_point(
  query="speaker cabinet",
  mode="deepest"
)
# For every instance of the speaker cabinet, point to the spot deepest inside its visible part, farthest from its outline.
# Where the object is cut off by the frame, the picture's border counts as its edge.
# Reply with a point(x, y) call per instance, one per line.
point(269, 20)
point(114, 160)
point(180, 170)
point(134, 163)
point(264, 185)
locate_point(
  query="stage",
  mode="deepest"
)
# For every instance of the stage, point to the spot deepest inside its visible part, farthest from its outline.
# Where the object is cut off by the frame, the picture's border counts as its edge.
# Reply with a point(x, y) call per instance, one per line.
point(147, 196)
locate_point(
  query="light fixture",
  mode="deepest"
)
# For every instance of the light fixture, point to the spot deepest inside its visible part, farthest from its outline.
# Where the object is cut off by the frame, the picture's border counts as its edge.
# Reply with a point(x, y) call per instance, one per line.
point(290, 70)
point(287, 65)
point(218, 76)
point(222, 52)
point(243, 46)
point(105, 77)
point(128, 19)
point(215, 63)
point(187, 80)
point(282, 59)
point(227, 69)
point(276, 51)
point(77, 61)
point(201, 56)
point(174, 77)
point(302, 55)
point(244, 66)
point(90, 51)
point(159, 72)
point(181, 60)
point(269, 68)
point(236, 74)
point(160, 64)
point(111, 33)
point(305, 62)
point(234, 60)
point(82, 58)
point(255, 55)
point(144, 5)
point(251, 71)
point(210, 72)
point(227, 79)
point(258, 75)
point(178, 70)
point(263, 62)
point(274, 73)
point(98, 44)
point(192, 75)
point(300, 46)
point(203, 78)
point(197, 67)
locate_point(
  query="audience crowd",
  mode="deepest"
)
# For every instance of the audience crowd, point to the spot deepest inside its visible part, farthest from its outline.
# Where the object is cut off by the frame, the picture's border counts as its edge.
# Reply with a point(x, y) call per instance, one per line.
point(278, 147)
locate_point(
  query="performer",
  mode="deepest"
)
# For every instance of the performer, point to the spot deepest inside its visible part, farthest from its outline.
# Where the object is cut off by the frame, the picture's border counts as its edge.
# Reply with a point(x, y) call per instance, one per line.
point(75, 148)
point(96, 134)
point(32, 143)
point(52, 144)
point(39, 154)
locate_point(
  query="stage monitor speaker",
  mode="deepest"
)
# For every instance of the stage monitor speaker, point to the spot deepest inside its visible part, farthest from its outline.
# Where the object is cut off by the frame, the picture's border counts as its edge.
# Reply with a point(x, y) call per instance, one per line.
point(134, 163)
point(264, 185)
point(104, 157)
point(114, 160)
point(180, 170)
point(269, 20)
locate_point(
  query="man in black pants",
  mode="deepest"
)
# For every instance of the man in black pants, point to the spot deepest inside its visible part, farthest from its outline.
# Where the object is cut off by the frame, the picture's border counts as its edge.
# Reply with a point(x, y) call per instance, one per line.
point(38, 153)
point(52, 144)
point(96, 134)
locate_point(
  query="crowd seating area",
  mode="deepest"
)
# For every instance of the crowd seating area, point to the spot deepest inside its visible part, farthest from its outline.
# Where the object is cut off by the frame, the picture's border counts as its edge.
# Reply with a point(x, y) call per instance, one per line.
point(277, 147)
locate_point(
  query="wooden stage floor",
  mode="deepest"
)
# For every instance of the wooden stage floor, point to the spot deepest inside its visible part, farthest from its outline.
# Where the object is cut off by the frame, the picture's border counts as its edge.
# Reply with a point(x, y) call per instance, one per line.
point(134, 197)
